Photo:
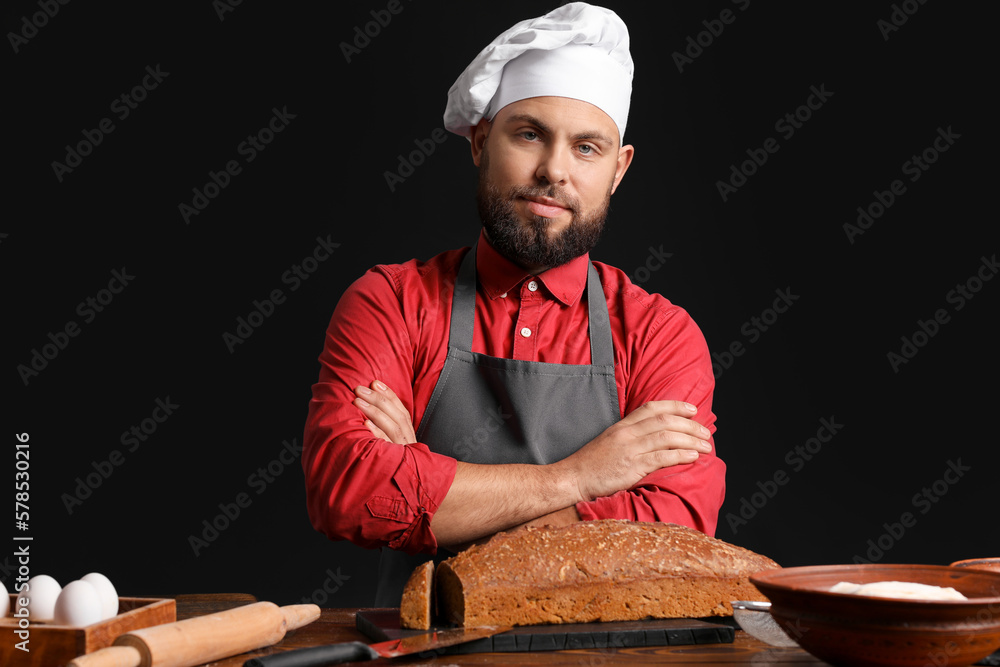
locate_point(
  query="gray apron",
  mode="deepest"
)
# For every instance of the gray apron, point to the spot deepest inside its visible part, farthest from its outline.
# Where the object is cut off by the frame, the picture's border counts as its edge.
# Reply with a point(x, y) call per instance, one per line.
point(490, 410)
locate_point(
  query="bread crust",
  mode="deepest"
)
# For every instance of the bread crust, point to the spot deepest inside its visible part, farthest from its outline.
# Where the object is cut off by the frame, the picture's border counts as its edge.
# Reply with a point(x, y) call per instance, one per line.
point(607, 570)
point(415, 607)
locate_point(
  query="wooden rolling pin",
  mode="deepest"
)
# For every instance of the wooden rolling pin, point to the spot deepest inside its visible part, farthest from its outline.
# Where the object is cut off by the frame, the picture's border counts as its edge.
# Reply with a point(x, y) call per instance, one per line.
point(202, 639)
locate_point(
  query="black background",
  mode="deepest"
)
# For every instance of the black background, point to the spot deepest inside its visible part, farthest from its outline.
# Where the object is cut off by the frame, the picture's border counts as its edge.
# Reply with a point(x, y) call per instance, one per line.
point(324, 176)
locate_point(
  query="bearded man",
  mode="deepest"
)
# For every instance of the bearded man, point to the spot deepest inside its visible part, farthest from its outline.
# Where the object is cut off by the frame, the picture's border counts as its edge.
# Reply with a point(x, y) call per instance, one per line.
point(516, 382)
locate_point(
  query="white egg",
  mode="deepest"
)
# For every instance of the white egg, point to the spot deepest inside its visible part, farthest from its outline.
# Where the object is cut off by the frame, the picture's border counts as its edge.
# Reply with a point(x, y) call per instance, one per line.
point(78, 605)
point(40, 593)
point(4, 600)
point(109, 596)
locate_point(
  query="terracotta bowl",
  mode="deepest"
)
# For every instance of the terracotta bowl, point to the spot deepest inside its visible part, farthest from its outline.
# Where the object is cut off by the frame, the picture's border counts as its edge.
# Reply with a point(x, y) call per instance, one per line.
point(991, 564)
point(847, 629)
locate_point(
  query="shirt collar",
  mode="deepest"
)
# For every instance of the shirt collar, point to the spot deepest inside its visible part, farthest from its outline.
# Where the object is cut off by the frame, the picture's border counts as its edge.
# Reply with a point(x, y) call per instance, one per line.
point(498, 275)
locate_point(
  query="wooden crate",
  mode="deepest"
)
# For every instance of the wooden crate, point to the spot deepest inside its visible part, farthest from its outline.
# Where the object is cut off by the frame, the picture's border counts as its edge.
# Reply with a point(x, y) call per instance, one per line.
point(55, 645)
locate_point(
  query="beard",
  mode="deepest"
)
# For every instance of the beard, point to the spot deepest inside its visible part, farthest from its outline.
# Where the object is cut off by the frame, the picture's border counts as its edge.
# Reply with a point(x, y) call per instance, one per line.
point(527, 241)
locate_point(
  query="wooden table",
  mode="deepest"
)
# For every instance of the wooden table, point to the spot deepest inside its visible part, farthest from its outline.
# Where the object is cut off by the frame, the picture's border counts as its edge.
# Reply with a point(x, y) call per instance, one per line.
point(337, 625)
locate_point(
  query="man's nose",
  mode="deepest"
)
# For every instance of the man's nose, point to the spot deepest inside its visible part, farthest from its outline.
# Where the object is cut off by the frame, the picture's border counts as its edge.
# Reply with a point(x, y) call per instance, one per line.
point(554, 166)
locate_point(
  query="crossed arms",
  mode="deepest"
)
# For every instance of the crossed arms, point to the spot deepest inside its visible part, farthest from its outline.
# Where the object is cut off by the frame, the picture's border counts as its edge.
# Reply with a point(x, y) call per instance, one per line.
point(373, 484)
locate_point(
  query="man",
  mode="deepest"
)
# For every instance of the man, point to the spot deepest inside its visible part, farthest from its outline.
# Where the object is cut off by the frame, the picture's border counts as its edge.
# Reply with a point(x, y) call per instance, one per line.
point(547, 389)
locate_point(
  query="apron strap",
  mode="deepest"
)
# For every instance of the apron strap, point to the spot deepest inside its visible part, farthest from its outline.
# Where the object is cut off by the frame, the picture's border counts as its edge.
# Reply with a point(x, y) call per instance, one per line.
point(602, 349)
point(463, 312)
point(463, 305)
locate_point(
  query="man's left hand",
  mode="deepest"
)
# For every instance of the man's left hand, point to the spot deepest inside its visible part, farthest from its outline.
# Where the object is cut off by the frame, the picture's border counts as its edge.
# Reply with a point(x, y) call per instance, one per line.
point(385, 415)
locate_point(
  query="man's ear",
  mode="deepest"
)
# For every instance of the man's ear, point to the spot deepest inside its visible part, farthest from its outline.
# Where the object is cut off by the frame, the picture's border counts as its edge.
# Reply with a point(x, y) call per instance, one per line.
point(480, 131)
point(625, 154)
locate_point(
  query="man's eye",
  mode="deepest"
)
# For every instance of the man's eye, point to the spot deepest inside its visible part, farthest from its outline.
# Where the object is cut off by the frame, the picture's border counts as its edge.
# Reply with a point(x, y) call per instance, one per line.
point(586, 149)
point(529, 135)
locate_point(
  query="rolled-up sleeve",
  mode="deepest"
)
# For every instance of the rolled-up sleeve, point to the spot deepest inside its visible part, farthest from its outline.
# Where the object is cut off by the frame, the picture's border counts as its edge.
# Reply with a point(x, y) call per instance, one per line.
point(674, 365)
point(360, 488)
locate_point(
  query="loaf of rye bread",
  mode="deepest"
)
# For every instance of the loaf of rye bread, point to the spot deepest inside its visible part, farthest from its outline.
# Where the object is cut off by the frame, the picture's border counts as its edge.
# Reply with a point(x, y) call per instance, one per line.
point(606, 570)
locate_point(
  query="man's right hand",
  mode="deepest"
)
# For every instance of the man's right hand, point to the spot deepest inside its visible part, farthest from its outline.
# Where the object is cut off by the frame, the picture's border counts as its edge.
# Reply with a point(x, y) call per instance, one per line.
point(659, 434)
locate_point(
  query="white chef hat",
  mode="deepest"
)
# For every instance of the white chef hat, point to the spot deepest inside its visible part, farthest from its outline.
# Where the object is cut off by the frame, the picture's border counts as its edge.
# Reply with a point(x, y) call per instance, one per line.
point(577, 50)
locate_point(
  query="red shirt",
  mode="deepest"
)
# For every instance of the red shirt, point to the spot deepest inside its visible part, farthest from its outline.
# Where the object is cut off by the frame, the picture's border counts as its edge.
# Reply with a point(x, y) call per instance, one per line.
point(392, 325)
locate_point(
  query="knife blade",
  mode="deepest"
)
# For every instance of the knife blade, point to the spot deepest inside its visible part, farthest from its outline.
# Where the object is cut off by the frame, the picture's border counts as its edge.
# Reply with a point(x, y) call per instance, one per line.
point(333, 654)
point(756, 620)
